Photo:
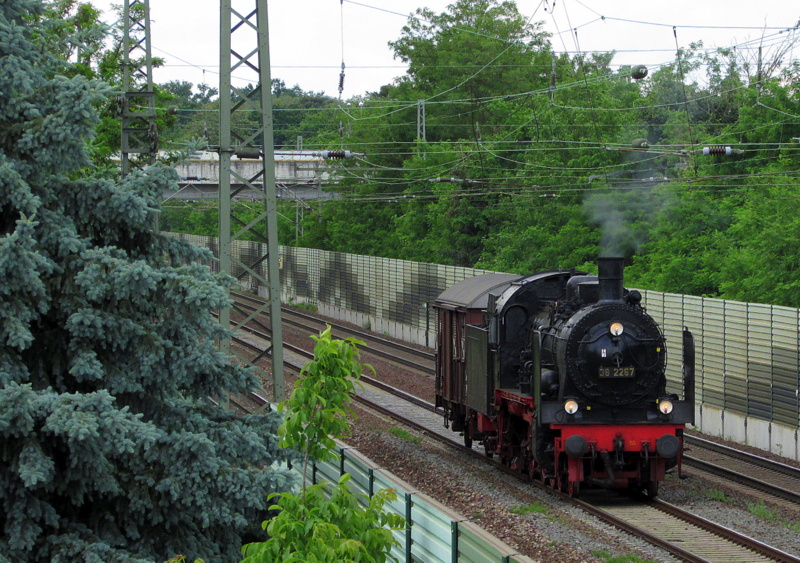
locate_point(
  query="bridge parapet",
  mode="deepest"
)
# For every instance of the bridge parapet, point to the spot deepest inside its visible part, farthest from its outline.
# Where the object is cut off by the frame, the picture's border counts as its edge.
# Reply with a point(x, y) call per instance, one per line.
point(299, 175)
point(291, 167)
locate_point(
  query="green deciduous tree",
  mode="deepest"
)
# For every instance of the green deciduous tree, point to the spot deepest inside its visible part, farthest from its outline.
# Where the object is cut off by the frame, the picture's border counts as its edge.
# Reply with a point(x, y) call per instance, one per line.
point(324, 522)
point(109, 447)
point(471, 53)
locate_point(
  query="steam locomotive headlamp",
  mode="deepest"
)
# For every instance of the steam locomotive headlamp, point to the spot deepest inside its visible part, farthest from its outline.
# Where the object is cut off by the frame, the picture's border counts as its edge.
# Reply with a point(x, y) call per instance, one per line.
point(616, 329)
point(571, 406)
point(665, 406)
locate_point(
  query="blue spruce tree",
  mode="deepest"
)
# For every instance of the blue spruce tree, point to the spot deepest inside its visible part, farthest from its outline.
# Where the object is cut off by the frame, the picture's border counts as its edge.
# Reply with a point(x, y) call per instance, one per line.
point(109, 448)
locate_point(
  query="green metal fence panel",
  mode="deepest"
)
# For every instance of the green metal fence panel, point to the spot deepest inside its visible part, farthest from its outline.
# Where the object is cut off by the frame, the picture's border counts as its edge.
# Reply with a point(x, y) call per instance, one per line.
point(431, 533)
point(653, 302)
point(360, 470)
point(472, 548)
point(327, 471)
point(385, 480)
point(475, 545)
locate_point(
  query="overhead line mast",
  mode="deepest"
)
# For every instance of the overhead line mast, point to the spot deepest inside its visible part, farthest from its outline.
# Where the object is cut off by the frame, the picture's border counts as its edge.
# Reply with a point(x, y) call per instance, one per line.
point(252, 37)
point(138, 100)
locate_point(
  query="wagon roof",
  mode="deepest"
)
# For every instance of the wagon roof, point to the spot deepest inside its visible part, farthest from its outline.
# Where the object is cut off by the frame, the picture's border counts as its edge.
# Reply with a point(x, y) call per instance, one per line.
point(473, 293)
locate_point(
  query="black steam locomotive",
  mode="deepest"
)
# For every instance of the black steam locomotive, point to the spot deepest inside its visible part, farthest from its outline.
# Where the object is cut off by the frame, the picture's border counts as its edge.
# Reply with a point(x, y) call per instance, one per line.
point(562, 375)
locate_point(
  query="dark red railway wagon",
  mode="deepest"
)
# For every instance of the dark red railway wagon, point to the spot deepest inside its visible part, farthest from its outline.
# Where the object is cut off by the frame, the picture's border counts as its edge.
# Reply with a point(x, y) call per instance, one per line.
point(460, 311)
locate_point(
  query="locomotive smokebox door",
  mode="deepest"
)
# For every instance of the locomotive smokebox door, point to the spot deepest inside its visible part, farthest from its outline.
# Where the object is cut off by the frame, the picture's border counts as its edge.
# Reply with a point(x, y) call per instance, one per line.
point(479, 383)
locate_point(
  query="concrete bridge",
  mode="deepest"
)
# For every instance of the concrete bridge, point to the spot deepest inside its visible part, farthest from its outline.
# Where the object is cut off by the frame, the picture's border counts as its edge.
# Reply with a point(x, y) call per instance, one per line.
point(299, 175)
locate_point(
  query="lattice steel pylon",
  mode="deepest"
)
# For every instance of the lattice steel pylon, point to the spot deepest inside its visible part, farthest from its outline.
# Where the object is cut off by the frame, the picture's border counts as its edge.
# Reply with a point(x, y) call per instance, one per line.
point(251, 32)
point(137, 100)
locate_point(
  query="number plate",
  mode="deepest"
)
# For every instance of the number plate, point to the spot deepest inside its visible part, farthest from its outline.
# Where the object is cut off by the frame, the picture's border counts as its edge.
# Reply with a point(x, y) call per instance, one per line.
point(616, 373)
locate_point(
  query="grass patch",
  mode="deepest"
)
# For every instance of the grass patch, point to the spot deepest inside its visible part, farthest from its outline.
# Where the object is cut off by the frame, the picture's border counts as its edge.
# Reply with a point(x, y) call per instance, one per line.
point(535, 508)
point(306, 306)
point(716, 494)
point(403, 434)
point(762, 511)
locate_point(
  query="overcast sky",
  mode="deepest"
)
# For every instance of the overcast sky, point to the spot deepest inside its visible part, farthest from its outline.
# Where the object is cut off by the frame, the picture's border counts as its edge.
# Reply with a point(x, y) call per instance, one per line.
point(309, 39)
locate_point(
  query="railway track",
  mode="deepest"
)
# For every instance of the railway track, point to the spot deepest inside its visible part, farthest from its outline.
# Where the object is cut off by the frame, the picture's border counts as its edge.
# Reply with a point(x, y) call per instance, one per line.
point(776, 479)
point(683, 534)
point(396, 352)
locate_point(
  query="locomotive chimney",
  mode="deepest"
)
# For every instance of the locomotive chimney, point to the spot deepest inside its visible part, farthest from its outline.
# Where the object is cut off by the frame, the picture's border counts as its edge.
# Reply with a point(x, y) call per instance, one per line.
point(610, 278)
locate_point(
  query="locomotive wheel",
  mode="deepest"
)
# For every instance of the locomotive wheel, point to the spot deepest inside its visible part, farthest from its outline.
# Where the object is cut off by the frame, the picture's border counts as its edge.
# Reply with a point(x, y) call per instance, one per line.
point(651, 489)
point(467, 440)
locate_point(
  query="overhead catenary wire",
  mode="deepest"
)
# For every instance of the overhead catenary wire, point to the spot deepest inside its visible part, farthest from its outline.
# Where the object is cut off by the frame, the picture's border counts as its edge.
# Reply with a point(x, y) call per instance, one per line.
point(490, 188)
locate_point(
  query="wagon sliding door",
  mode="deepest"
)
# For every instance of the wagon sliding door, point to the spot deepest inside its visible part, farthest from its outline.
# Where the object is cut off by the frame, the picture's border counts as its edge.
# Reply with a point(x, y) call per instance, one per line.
point(479, 382)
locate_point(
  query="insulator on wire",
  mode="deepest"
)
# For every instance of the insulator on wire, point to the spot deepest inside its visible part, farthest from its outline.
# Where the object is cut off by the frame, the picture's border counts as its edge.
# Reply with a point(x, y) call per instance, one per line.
point(248, 152)
point(717, 150)
point(341, 80)
point(334, 154)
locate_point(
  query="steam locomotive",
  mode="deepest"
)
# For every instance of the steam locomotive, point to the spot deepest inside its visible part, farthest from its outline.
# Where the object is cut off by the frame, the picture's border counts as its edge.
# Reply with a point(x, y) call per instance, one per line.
point(561, 375)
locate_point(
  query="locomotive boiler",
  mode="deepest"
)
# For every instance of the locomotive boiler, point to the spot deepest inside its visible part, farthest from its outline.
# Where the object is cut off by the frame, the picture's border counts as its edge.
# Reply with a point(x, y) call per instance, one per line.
point(562, 375)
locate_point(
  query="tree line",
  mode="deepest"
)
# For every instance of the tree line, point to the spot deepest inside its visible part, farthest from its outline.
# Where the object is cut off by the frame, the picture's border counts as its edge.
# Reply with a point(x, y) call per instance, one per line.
point(534, 159)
